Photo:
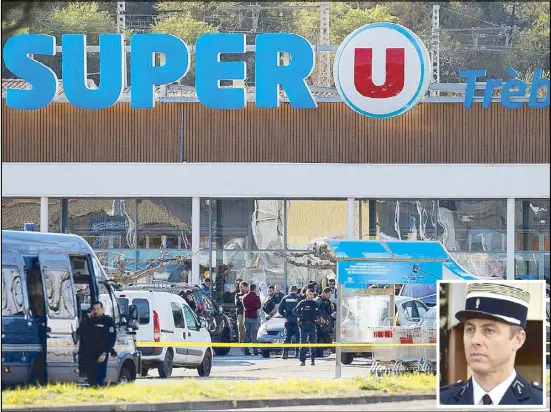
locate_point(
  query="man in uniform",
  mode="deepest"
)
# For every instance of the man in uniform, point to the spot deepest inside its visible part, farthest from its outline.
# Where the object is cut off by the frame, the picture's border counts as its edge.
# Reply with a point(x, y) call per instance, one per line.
point(307, 312)
point(494, 323)
point(286, 309)
point(324, 325)
point(98, 336)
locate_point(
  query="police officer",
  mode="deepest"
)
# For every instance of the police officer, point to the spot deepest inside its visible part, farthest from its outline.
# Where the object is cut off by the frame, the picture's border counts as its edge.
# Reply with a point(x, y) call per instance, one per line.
point(98, 336)
point(286, 309)
point(494, 323)
point(307, 313)
point(324, 326)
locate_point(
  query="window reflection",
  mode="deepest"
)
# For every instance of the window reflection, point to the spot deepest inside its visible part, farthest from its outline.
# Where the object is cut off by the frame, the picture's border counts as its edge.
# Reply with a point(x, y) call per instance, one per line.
point(104, 223)
point(12, 293)
point(59, 294)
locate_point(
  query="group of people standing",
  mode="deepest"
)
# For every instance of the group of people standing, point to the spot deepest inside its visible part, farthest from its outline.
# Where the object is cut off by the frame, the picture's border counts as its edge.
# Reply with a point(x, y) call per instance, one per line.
point(308, 315)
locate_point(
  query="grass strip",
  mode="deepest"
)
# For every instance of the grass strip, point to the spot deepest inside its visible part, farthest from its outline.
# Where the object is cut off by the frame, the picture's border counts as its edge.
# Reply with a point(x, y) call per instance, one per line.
point(192, 390)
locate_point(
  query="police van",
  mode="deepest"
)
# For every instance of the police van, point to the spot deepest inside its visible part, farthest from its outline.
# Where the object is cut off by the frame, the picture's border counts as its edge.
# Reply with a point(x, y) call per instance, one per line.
point(48, 284)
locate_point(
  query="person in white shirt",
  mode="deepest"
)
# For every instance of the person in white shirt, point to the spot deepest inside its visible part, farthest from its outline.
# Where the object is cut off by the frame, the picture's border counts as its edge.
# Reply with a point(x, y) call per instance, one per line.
point(494, 323)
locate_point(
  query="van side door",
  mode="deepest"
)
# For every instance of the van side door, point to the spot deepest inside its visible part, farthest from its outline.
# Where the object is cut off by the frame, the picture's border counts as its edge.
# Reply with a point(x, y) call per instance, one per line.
point(61, 317)
point(180, 332)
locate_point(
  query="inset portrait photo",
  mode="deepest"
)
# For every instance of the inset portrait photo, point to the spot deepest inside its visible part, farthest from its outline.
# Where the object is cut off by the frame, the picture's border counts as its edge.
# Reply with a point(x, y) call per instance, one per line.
point(492, 343)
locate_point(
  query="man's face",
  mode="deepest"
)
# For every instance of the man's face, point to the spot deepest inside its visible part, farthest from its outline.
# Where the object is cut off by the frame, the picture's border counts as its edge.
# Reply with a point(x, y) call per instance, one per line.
point(490, 346)
point(270, 292)
point(327, 295)
point(309, 294)
point(277, 288)
point(331, 283)
point(97, 311)
point(242, 288)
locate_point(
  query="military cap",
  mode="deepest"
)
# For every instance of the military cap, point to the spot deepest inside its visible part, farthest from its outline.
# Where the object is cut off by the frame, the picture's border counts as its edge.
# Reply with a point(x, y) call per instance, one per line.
point(496, 301)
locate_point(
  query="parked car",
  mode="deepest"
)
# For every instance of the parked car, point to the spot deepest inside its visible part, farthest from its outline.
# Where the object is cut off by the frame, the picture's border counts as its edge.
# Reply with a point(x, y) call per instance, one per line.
point(272, 331)
point(424, 292)
point(360, 313)
point(217, 322)
point(429, 319)
point(167, 317)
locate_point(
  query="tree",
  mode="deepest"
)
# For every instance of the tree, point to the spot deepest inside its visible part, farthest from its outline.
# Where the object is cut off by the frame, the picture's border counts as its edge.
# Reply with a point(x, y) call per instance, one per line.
point(180, 19)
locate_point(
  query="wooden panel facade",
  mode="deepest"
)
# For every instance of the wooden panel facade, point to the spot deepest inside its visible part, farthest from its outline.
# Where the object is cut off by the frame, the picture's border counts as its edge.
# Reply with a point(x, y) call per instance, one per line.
point(64, 133)
point(332, 133)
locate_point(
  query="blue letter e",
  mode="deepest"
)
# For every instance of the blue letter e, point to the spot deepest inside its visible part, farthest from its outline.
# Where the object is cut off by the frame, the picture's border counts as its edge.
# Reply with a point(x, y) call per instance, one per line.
point(42, 79)
point(270, 74)
point(144, 75)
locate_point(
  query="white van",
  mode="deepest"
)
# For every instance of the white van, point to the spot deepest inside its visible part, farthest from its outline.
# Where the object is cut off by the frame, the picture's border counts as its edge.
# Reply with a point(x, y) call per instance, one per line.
point(166, 317)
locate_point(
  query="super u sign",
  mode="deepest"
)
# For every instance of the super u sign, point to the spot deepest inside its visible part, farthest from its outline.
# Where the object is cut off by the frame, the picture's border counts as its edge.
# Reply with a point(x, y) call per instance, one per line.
point(382, 70)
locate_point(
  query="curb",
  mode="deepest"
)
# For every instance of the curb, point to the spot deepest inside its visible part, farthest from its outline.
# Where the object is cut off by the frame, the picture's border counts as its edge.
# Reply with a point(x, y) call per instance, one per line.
point(229, 404)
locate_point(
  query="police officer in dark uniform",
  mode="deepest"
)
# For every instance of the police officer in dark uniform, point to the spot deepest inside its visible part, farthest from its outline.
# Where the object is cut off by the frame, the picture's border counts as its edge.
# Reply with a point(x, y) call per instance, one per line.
point(286, 308)
point(494, 322)
point(324, 325)
point(307, 312)
point(270, 303)
point(98, 336)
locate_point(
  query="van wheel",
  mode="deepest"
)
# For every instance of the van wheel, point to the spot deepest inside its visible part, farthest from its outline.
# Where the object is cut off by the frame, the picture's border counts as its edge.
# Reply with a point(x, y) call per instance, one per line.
point(206, 365)
point(165, 368)
point(125, 376)
point(144, 371)
point(347, 358)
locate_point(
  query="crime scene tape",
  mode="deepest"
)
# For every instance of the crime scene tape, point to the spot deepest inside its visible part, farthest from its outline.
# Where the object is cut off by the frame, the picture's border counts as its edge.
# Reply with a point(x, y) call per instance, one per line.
point(279, 345)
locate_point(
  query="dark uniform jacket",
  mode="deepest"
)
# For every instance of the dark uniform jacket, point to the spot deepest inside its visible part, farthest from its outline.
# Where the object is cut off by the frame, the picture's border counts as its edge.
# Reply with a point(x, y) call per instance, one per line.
point(521, 392)
point(326, 307)
point(307, 311)
point(239, 303)
point(270, 303)
point(287, 305)
point(97, 336)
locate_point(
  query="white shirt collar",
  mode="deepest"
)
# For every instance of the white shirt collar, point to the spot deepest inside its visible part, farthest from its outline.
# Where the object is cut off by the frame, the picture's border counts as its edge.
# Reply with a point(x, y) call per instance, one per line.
point(497, 393)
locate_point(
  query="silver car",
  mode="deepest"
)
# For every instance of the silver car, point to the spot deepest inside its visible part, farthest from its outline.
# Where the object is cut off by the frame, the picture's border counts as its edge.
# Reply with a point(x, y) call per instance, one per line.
point(272, 331)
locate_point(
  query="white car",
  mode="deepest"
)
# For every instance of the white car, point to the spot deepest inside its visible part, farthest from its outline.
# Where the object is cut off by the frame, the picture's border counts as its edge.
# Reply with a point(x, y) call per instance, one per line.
point(166, 317)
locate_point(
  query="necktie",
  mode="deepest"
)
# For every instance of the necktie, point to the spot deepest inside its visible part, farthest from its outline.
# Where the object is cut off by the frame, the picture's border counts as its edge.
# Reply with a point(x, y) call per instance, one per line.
point(486, 400)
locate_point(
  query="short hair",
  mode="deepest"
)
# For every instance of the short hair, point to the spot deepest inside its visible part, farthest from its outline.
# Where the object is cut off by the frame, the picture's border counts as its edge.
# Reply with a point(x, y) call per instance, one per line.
point(294, 288)
point(326, 290)
point(515, 330)
point(271, 287)
point(244, 284)
point(97, 302)
point(252, 288)
point(207, 280)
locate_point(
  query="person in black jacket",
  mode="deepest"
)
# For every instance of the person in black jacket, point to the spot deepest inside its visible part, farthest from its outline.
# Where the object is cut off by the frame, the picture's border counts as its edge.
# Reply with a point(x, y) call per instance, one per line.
point(307, 312)
point(286, 307)
point(325, 324)
point(98, 336)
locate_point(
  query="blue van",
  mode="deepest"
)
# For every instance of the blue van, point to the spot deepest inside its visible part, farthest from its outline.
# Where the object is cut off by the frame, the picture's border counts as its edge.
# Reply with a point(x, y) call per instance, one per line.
point(48, 284)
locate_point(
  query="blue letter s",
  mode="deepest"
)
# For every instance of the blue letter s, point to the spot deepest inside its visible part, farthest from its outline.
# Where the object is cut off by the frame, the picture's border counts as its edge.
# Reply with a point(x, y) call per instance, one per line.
point(42, 79)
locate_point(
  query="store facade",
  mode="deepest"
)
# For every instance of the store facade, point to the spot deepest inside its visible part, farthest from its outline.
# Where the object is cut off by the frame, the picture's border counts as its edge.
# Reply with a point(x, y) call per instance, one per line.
point(248, 193)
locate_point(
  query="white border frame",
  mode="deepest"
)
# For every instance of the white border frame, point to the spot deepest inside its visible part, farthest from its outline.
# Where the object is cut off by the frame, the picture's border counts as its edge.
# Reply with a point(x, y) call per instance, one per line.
point(478, 407)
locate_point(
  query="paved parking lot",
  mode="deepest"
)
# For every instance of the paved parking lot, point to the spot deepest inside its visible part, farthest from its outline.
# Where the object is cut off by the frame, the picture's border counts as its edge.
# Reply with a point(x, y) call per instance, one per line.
point(236, 366)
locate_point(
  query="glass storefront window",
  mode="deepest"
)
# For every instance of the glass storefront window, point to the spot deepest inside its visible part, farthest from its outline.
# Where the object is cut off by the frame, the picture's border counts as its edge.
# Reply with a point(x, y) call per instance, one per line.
point(483, 264)
point(245, 224)
point(462, 225)
point(311, 219)
point(104, 223)
point(164, 223)
point(17, 212)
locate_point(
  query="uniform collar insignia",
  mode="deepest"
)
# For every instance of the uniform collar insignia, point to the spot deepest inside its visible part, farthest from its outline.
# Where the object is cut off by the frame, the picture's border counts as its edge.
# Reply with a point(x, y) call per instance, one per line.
point(518, 389)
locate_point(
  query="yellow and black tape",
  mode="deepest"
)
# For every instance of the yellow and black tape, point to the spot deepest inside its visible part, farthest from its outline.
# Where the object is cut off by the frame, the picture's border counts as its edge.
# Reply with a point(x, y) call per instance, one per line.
point(279, 345)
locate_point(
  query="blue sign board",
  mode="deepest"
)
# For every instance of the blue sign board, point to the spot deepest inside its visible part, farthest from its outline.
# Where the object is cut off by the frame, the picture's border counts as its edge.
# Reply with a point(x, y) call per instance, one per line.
point(359, 274)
